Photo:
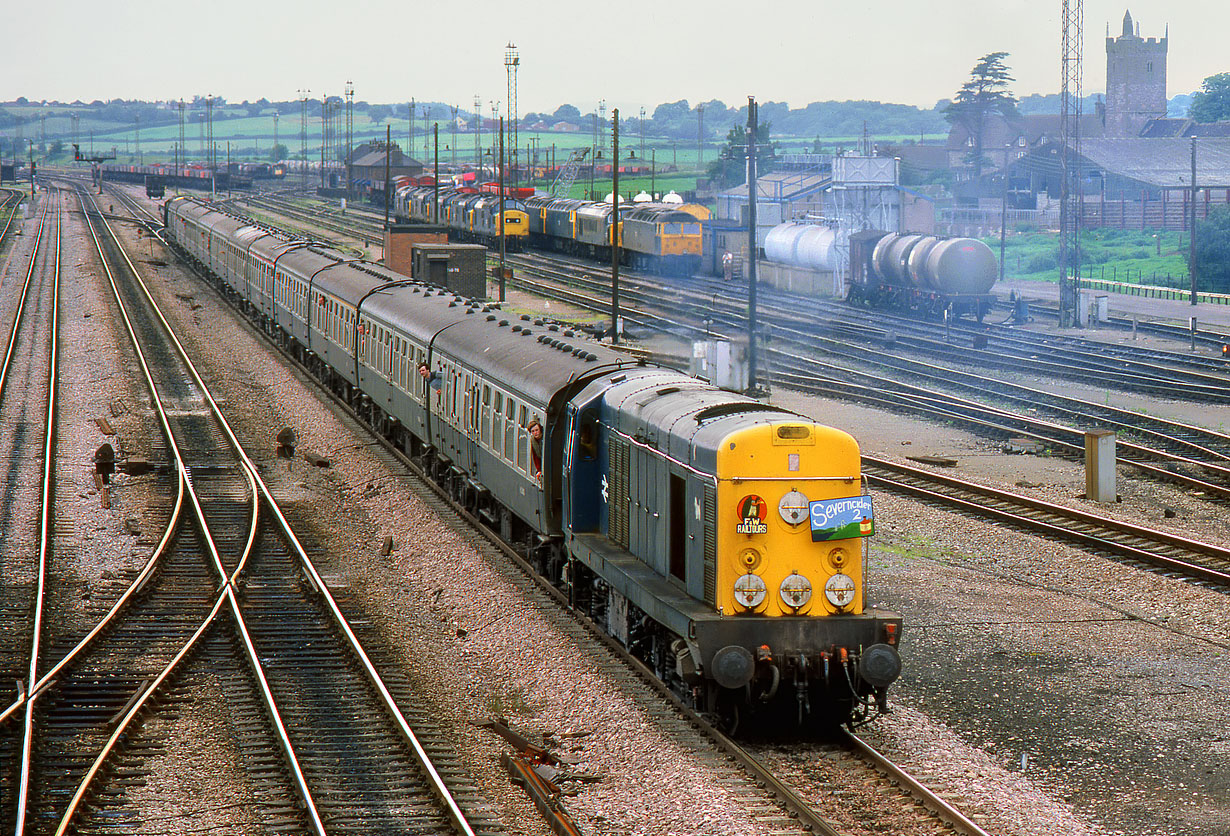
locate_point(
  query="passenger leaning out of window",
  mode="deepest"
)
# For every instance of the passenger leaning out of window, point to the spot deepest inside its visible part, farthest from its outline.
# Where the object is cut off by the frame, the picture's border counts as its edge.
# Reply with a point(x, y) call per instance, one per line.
point(431, 378)
point(535, 431)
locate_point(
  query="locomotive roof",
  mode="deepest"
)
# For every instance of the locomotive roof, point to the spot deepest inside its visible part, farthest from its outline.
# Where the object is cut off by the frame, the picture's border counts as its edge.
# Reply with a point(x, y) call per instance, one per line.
point(655, 213)
point(685, 418)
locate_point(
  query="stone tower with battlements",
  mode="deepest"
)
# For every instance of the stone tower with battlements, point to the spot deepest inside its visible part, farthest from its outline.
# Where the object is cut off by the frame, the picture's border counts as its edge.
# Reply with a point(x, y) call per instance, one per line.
point(1135, 80)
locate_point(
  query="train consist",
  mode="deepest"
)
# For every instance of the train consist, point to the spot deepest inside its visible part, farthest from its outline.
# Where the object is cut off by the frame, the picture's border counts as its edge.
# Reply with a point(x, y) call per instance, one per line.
point(661, 237)
point(718, 538)
point(470, 214)
point(922, 272)
point(184, 176)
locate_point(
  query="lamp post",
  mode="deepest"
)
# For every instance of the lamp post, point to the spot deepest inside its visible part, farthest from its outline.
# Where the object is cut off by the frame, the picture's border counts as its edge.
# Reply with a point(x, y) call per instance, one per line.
point(615, 227)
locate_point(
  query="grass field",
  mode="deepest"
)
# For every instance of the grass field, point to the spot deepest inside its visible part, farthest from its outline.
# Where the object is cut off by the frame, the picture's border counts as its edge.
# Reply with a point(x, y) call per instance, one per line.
point(1121, 255)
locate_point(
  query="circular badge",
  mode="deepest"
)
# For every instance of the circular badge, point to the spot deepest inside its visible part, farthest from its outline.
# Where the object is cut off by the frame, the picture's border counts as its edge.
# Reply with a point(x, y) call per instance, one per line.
point(793, 508)
point(751, 515)
point(753, 507)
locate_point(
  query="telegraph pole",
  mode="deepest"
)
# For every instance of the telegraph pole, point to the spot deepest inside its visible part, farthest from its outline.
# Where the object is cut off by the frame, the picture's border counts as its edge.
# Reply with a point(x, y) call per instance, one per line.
point(349, 136)
point(753, 124)
point(435, 176)
point(615, 227)
point(1191, 238)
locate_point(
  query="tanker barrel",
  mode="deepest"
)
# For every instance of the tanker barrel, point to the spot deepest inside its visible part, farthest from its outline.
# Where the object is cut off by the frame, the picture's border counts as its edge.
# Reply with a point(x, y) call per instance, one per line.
point(961, 266)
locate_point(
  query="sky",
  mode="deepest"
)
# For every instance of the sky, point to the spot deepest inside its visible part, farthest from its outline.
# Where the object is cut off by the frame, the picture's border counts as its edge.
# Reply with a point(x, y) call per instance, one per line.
point(630, 55)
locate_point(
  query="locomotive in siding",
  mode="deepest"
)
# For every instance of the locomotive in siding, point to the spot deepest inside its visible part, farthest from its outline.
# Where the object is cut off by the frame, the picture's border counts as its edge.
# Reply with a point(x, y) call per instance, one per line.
point(660, 237)
point(922, 272)
point(720, 539)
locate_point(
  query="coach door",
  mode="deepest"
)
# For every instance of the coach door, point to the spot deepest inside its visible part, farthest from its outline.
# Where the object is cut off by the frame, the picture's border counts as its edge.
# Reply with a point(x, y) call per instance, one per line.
point(584, 487)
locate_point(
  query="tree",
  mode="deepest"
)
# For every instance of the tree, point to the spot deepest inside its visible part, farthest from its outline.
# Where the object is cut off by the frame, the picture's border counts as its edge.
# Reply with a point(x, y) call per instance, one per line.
point(278, 152)
point(730, 168)
point(986, 93)
point(567, 113)
point(1213, 251)
point(378, 113)
point(1211, 103)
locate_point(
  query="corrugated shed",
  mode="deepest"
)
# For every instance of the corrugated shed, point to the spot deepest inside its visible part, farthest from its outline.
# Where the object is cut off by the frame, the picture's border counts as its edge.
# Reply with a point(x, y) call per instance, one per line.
point(1164, 162)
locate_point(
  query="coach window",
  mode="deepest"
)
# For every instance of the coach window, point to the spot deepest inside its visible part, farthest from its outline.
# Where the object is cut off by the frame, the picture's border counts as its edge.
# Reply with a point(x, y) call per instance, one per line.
point(522, 440)
point(485, 416)
point(497, 419)
point(510, 427)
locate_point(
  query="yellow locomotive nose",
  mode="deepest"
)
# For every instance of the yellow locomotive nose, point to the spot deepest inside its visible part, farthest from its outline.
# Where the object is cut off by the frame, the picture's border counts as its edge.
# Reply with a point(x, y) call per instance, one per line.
point(791, 520)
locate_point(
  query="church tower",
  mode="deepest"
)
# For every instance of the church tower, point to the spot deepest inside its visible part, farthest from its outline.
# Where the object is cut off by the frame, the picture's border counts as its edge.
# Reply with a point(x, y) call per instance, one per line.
point(1135, 80)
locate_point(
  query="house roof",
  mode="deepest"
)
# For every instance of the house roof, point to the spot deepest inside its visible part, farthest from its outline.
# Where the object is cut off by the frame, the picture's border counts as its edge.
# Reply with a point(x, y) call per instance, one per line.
point(783, 185)
point(1183, 128)
point(1000, 131)
point(397, 159)
point(1164, 162)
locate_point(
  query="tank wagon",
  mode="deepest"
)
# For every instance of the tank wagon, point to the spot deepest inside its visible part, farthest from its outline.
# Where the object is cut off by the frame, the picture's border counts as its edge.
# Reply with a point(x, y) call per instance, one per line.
point(922, 272)
point(720, 539)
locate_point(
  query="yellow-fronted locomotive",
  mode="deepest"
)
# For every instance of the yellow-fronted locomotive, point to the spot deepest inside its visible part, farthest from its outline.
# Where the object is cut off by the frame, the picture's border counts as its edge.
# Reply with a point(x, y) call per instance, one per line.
point(719, 538)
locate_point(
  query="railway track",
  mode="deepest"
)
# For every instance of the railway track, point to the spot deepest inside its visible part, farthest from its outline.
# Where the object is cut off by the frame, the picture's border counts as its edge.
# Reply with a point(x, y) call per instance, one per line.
point(29, 371)
point(1197, 458)
point(246, 599)
point(668, 712)
point(1204, 337)
point(1199, 562)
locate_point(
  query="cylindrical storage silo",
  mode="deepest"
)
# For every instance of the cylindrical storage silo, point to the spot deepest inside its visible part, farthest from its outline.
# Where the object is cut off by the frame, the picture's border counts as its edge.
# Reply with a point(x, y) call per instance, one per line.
point(962, 266)
point(814, 248)
point(780, 242)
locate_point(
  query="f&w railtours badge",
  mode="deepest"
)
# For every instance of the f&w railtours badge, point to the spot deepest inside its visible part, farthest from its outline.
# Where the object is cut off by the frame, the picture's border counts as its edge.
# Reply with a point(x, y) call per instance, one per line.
point(752, 512)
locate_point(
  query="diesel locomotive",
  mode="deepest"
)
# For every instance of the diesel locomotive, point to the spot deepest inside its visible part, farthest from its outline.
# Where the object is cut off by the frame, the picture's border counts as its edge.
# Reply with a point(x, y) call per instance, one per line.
point(722, 540)
point(660, 237)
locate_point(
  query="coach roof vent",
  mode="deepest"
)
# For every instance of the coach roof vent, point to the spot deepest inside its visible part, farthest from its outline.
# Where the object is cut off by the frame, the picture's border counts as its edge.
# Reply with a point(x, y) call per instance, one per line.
point(503, 323)
point(491, 317)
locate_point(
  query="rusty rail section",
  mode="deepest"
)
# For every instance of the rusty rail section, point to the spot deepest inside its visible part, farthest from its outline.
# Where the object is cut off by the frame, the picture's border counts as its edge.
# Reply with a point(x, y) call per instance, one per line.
point(534, 769)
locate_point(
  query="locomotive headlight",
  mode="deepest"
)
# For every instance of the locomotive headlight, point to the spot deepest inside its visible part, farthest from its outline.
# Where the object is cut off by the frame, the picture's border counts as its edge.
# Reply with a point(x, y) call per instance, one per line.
point(796, 591)
point(793, 508)
point(839, 590)
point(750, 591)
